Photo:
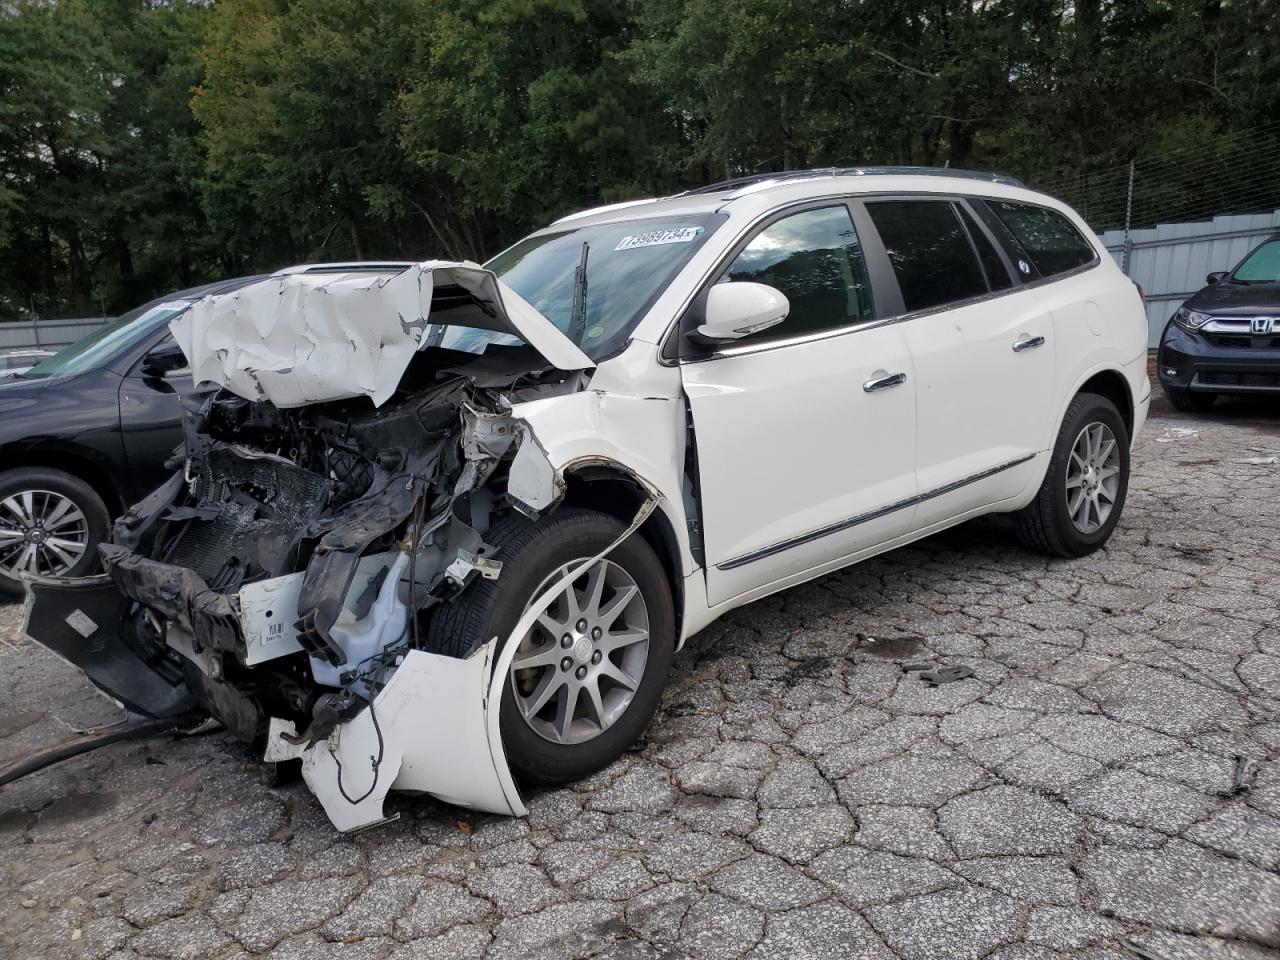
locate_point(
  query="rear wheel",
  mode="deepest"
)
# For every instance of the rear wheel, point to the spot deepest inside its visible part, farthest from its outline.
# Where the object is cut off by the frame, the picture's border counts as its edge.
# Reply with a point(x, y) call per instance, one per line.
point(1082, 496)
point(588, 675)
point(1190, 400)
point(50, 525)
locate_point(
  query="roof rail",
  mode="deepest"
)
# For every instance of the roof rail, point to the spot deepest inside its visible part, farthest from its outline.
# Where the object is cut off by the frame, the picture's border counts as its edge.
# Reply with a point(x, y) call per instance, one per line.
point(345, 266)
point(783, 176)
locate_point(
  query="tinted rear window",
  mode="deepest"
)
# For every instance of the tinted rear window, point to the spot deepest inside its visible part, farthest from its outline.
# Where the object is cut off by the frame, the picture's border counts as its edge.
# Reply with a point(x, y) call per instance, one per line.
point(931, 255)
point(1049, 239)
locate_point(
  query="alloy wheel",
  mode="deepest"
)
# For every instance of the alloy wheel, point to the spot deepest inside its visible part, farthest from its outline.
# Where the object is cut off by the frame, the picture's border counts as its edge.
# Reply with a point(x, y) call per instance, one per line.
point(1093, 477)
point(577, 670)
point(41, 532)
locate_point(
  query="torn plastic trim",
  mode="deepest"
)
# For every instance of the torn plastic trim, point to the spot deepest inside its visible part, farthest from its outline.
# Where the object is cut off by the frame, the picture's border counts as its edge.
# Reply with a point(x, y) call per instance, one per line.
point(301, 338)
point(434, 727)
point(81, 621)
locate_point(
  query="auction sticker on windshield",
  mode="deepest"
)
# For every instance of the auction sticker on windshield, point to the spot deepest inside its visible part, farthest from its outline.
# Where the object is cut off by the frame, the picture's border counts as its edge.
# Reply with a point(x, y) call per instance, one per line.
point(656, 238)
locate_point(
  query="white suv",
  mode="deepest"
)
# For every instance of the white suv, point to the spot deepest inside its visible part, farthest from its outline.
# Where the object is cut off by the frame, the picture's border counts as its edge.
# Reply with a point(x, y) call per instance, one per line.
point(453, 522)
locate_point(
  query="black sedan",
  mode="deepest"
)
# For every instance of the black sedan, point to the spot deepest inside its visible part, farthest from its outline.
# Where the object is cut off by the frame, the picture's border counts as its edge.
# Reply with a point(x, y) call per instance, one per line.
point(1226, 339)
point(85, 433)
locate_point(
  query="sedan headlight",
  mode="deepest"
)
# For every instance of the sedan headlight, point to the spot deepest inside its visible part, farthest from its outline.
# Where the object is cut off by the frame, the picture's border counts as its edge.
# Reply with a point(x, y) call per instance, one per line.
point(1190, 319)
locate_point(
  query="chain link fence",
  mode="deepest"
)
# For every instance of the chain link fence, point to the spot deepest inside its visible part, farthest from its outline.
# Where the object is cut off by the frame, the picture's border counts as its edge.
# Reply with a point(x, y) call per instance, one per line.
point(1169, 220)
point(1235, 173)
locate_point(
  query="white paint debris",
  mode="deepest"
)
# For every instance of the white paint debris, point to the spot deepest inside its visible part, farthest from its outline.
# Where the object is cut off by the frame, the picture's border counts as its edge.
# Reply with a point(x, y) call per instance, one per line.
point(1177, 433)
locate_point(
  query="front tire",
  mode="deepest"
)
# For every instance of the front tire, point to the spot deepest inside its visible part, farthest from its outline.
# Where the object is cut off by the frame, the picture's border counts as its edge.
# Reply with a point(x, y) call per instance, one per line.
point(569, 708)
point(1083, 493)
point(50, 525)
point(1192, 401)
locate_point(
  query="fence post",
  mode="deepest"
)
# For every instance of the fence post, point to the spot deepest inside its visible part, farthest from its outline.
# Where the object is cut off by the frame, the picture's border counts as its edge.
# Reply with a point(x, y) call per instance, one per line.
point(1128, 220)
point(35, 330)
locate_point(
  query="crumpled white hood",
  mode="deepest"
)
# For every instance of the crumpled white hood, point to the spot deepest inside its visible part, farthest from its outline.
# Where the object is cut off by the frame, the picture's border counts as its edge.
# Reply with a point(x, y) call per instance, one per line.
point(300, 338)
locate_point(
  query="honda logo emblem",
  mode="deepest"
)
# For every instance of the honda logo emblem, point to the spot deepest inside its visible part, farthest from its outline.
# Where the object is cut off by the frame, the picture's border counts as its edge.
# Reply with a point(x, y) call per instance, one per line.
point(1261, 324)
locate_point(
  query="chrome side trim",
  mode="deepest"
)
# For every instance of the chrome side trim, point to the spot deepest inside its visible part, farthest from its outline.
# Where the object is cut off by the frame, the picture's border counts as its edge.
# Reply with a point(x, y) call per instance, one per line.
point(861, 518)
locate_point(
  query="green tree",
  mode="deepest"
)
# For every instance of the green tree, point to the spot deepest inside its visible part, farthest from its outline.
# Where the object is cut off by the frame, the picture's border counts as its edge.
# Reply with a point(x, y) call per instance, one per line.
point(150, 144)
point(98, 207)
point(55, 70)
point(299, 110)
point(523, 110)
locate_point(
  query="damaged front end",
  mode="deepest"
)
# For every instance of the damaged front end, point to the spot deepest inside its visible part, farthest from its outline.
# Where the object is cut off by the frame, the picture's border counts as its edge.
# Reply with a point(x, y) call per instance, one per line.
point(281, 577)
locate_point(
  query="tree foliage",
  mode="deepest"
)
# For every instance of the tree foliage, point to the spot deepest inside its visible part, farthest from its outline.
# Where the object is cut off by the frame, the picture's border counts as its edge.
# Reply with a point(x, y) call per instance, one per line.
point(146, 145)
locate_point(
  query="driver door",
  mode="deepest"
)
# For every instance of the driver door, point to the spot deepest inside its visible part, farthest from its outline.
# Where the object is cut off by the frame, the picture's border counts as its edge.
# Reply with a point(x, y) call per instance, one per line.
point(805, 432)
point(151, 412)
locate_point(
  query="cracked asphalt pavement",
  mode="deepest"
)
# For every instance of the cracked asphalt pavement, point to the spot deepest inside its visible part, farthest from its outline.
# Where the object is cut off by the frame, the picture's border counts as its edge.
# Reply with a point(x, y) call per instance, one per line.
point(1107, 784)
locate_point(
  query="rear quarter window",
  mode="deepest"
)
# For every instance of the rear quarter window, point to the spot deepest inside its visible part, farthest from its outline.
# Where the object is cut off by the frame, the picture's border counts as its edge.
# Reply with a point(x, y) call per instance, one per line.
point(932, 258)
point(1049, 239)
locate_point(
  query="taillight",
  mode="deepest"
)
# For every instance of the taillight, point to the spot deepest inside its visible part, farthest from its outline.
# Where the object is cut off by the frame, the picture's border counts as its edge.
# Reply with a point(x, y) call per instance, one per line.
point(1141, 293)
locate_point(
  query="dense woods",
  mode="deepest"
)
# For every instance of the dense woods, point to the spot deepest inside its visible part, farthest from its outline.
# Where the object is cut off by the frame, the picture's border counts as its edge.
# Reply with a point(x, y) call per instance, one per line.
point(147, 146)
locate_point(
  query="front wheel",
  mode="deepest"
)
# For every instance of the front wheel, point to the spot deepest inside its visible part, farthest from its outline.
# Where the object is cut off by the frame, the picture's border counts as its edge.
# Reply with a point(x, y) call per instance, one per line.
point(50, 525)
point(587, 678)
point(1083, 493)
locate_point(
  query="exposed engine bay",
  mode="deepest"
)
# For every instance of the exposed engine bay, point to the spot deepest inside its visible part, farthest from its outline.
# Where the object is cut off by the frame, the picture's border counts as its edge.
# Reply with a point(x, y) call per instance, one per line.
point(280, 580)
point(325, 531)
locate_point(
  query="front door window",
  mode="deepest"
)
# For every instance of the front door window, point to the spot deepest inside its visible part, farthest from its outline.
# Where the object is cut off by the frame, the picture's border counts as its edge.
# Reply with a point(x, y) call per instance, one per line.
point(815, 259)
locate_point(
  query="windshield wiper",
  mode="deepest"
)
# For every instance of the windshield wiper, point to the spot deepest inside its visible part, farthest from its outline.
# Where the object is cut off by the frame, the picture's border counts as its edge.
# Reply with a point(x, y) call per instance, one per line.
point(578, 317)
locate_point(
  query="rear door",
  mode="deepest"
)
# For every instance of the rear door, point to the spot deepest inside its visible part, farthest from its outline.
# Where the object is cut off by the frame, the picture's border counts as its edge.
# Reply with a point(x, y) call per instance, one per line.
point(804, 431)
point(1089, 309)
point(982, 346)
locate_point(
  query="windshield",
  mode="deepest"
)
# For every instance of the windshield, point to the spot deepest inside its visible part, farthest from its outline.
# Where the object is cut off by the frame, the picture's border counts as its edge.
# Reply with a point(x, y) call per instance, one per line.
point(1261, 266)
point(97, 348)
point(628, 264)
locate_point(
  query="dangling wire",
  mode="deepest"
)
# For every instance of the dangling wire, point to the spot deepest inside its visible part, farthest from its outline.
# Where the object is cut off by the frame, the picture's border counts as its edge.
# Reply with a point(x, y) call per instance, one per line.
point(377, 763)
point(411, 627)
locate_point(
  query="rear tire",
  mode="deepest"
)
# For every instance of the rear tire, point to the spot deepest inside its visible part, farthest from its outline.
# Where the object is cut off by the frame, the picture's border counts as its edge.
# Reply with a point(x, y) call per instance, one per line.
point(1052, 523)
point(62, 510)
point(1192, 401)
point(533, 556)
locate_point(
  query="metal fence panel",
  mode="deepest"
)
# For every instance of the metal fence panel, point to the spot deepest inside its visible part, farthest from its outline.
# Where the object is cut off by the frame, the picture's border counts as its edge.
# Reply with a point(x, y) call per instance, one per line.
point(1170, 260)
point(46, 333)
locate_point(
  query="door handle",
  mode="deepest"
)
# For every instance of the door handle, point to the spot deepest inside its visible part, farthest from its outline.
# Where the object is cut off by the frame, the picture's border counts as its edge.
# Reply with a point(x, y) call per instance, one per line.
point(1027, 344)
point(881, 382)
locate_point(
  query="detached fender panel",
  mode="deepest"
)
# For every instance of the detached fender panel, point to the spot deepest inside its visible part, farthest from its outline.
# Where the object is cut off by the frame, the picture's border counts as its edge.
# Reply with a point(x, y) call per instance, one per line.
point(426, 731)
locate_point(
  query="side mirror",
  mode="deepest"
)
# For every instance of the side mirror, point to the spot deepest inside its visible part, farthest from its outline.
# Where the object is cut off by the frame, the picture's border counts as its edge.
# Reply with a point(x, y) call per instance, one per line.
point(1217, 276)
point(737, 309)
point(165, 361)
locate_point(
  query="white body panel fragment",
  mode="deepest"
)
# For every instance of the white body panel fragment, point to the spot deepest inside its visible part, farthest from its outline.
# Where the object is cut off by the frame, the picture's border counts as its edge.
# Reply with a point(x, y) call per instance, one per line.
point(431, 735)
point(269, 608)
